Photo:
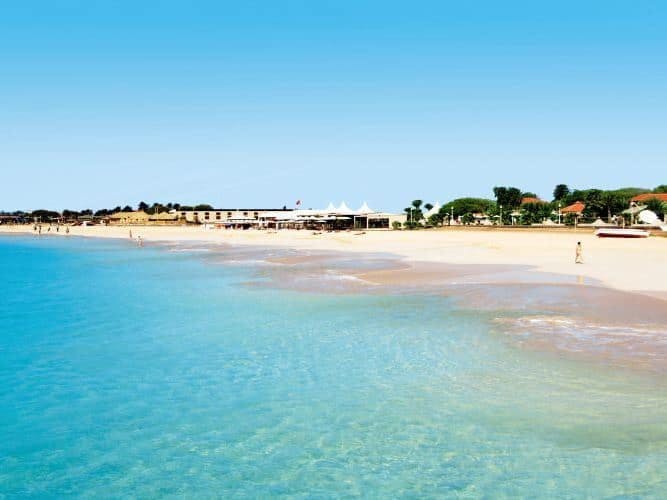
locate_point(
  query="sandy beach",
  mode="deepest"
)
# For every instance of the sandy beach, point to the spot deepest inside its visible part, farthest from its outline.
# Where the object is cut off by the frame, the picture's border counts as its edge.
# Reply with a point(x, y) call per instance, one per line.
point(631, 265)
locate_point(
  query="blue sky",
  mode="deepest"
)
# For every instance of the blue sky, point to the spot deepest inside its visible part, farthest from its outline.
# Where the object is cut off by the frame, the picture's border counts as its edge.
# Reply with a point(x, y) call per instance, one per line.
point(263, 103)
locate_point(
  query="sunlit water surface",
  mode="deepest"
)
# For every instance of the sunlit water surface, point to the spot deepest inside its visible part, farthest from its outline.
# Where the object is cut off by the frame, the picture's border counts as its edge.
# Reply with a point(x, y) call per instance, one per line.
point(131, 371)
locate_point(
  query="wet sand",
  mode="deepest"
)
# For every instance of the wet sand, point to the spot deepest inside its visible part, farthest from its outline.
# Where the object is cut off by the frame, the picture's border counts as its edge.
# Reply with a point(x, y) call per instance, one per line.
point(559, 314)
point(535, 307)
point(631, 265)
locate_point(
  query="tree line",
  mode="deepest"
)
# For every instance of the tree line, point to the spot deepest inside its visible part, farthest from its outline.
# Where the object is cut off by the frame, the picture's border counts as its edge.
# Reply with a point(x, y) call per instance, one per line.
point(510, 200)
point(152, 209)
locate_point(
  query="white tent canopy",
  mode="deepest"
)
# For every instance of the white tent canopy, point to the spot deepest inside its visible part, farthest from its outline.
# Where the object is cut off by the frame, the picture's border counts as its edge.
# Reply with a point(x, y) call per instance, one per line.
point(648, 217)
point(365, 209)
point(344, 209)
point(330, 208)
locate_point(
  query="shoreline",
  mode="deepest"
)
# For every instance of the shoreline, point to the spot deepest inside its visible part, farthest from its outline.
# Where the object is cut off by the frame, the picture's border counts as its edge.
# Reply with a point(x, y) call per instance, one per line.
point(637, 266)
point(574, 315)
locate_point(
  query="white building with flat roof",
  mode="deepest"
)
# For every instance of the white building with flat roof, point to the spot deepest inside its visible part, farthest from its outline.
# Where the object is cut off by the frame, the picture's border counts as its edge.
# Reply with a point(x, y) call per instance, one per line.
point(332, 218)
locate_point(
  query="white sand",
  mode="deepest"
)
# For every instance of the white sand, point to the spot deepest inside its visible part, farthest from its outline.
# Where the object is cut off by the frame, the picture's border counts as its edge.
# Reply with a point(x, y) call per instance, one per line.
point(624, 264)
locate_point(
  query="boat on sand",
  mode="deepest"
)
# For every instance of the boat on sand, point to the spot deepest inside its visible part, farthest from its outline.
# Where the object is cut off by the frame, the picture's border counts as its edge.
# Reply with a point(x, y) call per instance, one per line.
point(618, 232)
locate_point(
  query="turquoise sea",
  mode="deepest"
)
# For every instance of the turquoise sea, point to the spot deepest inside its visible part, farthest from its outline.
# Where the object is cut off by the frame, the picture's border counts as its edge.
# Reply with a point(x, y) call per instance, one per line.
point(149, 372)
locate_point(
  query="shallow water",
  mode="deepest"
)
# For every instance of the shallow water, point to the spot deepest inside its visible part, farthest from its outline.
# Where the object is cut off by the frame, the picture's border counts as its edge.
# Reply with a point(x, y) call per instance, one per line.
point(144, 372)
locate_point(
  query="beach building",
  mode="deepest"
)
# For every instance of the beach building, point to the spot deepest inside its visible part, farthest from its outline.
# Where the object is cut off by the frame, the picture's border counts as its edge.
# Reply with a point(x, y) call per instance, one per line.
point(340, 217)
point(332, 217)
point(164, 218)
point(230, 217)
point(644, 197)
point(482, 219)
point(125, 218)
point(577, 208)
point(638, 213)
point(531, 199)
point(12, 219)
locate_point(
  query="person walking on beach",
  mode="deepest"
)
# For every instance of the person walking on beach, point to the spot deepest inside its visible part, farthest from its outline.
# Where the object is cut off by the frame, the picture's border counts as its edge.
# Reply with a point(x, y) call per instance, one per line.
point(130, 234)
point(579, 258)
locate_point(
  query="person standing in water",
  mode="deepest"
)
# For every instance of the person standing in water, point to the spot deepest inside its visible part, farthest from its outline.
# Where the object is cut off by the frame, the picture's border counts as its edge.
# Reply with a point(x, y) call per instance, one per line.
point(578, 256)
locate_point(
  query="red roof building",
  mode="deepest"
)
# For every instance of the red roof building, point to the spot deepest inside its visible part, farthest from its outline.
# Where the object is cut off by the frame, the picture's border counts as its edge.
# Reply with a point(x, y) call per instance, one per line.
point(575, 208)
point(530, 199)
point(649, 196)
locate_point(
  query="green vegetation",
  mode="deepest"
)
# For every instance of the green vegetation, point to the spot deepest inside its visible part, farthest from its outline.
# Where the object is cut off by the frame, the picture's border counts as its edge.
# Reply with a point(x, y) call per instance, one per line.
point(508, 197)
point(44, 215)
point(604, 204)
point(561, 191)
point(656, 206)
point(536, 213)
point(414, 215)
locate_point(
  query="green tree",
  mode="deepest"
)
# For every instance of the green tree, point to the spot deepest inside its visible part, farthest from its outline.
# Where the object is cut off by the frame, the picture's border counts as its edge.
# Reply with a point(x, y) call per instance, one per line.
point(203, 207)
point(595, 206)
point(44, 215)
point(414, 212)
point(656, 206)
point(411, 219)
point(464, 206)
point(157, 208)
point(662, 188)
point(142, 206)
point(561, 191)
point(435, 219)
point(468, 219)
point(612, 203)
point(535, 213)
point(508, 197)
